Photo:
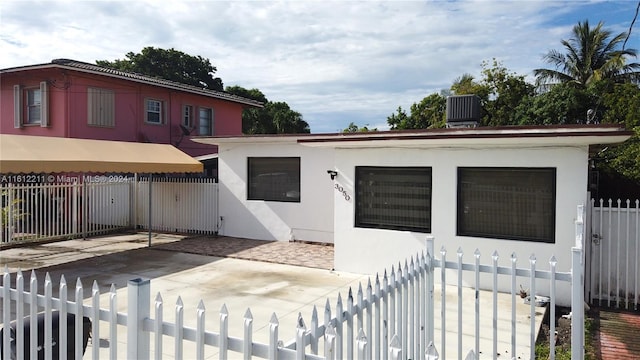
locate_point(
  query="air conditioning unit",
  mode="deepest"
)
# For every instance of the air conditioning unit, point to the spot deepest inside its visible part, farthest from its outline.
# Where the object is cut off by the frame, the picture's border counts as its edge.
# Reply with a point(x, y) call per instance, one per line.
point(463, 111)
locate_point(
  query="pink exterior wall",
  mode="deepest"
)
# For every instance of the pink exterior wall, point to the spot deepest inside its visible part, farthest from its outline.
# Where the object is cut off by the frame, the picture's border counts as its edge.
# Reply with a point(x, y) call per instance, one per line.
point(68, 110)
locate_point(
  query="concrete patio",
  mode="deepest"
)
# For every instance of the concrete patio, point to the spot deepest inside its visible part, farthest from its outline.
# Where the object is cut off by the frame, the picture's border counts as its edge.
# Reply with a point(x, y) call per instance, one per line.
point(263, 287)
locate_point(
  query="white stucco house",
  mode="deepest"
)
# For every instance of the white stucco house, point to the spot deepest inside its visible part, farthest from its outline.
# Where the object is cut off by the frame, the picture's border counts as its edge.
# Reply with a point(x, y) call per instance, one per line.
point(377, 195)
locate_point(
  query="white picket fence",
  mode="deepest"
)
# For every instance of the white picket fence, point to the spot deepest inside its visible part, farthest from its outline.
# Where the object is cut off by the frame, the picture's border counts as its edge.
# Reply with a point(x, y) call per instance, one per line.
point(104, 204)
point(391, 319)
point(612, 254)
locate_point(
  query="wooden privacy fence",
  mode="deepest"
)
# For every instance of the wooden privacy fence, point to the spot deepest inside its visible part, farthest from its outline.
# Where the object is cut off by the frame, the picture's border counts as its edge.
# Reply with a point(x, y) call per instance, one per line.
point(95, 205)
point(393, 318)
point(613, 253)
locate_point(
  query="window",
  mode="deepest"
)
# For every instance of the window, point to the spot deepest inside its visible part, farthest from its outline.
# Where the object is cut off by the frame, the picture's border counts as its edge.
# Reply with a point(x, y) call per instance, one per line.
point(396, 198)
point(507, 203)
point(274, 179)
point(100, 107)
point(187, 116)
point(34, 102)
point(30, 105)
point(205, 122)
point(154, 113)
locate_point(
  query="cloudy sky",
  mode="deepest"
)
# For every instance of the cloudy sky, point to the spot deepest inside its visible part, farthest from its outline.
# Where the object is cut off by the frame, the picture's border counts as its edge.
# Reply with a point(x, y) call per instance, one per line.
point(334, 62)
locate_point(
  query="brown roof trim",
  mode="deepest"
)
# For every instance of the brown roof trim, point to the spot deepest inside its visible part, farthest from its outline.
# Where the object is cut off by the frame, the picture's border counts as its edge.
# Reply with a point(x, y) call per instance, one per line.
point(124, 75)
point(477, 133)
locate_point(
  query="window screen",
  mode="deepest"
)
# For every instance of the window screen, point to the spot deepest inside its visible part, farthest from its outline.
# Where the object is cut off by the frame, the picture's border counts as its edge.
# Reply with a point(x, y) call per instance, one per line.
point(507, 203)
point(274, 179)
point(397, 198)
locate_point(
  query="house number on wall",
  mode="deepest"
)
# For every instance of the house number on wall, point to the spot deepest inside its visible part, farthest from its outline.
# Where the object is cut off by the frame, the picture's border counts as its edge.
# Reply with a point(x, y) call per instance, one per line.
point(342, 191)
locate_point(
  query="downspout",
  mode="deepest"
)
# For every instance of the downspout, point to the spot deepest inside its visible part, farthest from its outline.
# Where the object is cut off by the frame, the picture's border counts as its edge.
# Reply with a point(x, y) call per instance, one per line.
point(150, 178)
point(67, 105)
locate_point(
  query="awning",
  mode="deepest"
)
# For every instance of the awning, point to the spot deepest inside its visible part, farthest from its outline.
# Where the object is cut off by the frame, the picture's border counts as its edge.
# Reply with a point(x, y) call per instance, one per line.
point(43, 154)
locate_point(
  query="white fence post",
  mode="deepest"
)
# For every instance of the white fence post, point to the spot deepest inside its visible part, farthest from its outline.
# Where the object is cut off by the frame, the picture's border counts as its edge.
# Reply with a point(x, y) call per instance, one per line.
point(395, 349)
point(430, 288)
point(273, 337)
point(6, 307)
point(139, 301)
point(577, 293)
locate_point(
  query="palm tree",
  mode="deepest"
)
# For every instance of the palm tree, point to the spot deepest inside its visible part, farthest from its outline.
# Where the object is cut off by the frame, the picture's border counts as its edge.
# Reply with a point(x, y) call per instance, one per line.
point(591, 55)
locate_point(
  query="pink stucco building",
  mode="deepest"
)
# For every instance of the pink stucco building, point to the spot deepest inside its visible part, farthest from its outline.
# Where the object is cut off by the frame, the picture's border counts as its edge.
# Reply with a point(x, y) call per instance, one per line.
point(67, 98)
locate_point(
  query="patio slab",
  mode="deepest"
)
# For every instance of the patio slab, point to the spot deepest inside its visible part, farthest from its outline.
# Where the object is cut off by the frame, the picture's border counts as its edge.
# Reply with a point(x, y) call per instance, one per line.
point(264, 288)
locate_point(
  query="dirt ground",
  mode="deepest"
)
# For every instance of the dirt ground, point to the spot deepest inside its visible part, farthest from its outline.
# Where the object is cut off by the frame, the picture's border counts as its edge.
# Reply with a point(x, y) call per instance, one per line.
point(563, 329)
point(563, 332)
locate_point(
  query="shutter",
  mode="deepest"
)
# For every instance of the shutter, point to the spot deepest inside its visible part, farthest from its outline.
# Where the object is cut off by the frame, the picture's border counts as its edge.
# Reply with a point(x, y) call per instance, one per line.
point(44, 104)
point(17, 106)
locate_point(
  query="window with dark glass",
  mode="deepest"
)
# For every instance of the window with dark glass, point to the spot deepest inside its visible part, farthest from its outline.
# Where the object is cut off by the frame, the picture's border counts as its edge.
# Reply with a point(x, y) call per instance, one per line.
point(507, 203)
point(274, 179)
point(397, 198)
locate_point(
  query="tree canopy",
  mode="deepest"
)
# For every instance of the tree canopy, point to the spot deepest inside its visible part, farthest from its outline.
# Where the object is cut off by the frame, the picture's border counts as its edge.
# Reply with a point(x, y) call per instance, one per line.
point(353, 128)
point(591, 54)
point(171, 65)
point(273, 118)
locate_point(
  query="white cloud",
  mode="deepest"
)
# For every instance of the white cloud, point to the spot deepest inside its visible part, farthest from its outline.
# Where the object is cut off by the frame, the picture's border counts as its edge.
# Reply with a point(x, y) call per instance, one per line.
point(334, 62)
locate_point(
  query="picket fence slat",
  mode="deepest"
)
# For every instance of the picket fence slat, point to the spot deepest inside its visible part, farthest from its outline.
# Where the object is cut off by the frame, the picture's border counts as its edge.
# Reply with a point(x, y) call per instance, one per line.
point(388, 319)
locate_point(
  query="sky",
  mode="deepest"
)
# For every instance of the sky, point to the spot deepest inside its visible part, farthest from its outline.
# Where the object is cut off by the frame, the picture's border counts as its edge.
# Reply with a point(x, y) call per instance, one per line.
point(335, 62)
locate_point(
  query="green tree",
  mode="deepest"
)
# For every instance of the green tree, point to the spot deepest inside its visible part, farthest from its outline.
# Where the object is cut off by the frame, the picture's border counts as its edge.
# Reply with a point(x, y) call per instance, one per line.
point(399, 120)
point(273, 118)
point(169, 64)
point(562, 104)
point(353, 128)
point(591, 54)
point(506, 91)
point(622, 105)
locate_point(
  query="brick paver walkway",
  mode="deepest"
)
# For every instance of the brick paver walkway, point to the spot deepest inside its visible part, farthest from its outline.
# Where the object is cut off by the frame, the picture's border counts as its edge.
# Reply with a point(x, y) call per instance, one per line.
point(283, 252)
point(619, 335)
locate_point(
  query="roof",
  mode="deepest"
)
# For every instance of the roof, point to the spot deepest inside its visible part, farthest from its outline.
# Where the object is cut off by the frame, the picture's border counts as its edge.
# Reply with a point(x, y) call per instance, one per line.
point(553, 135)
point(124, 75)
point(44, 154)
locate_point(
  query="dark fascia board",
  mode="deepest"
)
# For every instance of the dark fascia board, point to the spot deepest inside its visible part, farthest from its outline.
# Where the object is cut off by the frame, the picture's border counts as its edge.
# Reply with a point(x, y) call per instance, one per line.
point(144, 79)
point(477, 133)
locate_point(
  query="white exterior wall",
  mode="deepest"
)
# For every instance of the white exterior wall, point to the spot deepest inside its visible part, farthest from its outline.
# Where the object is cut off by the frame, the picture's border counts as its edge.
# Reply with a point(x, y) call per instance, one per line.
point(309, 220)
point(364, 250)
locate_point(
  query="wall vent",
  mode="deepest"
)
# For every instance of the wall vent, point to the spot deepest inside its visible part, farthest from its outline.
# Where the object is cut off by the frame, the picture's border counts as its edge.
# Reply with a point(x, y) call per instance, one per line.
point(463, 111)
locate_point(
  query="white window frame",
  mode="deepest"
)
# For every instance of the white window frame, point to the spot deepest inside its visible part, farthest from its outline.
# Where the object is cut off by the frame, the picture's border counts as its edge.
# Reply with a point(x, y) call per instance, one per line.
point(100, 107)
point(21, 105)
point(160, 111)
point(187, 116)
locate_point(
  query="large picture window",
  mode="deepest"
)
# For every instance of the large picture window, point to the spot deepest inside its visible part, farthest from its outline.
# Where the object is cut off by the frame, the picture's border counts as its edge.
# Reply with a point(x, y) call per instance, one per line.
point(274, 179)
point(507, 203)
point(397, 198)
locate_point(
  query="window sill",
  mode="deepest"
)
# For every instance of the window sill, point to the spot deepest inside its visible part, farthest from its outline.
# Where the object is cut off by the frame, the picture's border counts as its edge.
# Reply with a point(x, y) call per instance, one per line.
point(102, 126)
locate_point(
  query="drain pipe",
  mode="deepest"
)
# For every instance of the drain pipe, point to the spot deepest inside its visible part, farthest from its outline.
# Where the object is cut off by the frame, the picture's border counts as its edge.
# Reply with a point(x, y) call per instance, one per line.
point(150, 179)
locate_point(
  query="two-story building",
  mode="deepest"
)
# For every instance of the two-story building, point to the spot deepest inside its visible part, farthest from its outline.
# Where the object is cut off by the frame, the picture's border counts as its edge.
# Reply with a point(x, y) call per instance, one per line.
point(72, 99)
